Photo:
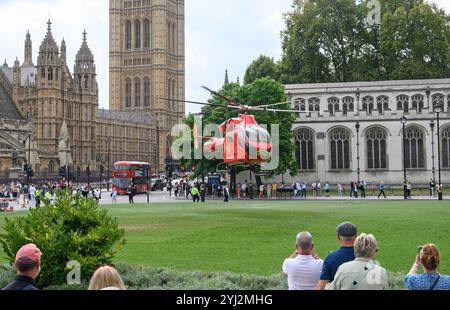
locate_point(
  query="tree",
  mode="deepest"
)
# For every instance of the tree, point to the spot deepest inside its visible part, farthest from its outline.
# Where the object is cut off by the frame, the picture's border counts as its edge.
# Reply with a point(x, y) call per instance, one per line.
point(261, 91)
point(331, 41)
point(414, 43)
point(261, 67)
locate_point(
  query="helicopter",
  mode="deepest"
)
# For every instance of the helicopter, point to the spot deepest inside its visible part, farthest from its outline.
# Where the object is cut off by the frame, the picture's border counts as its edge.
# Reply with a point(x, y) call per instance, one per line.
point(244, 141)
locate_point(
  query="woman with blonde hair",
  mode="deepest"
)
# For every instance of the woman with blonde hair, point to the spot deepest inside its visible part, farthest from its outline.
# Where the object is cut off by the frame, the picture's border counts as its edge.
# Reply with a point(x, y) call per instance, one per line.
point(363, 273)
point(106, 278)
point(429, 258)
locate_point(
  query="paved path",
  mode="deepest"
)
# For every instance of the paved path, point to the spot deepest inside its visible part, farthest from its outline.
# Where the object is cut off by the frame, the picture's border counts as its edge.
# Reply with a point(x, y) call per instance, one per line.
point(164, 197)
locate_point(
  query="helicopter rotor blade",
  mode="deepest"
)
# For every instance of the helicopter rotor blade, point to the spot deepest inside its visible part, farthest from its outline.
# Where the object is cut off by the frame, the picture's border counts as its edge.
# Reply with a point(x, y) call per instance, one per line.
point(232, 102)
point(288, 111)
point(273, 104)
point(192, 102)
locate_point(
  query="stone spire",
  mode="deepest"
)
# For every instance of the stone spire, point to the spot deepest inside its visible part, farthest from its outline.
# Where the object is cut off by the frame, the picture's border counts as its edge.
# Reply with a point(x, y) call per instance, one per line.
point(28, 59)
point(239, 83)
point(48, 51)
point(63, 53)
point(84, 68)
point(226, 77)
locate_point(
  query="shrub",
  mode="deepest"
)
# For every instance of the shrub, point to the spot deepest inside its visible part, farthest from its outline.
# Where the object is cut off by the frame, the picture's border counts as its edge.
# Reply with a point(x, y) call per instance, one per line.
point(73, 228)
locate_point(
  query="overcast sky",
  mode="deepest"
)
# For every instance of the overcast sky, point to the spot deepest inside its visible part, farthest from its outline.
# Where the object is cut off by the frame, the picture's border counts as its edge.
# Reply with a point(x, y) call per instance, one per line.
point(220, 34)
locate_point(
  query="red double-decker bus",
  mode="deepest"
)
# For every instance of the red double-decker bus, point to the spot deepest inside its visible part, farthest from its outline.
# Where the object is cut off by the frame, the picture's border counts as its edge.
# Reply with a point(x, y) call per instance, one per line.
point(126, 173)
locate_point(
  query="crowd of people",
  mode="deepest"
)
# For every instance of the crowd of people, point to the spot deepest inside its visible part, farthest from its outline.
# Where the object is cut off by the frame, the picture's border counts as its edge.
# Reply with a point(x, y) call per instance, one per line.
point(353, 265)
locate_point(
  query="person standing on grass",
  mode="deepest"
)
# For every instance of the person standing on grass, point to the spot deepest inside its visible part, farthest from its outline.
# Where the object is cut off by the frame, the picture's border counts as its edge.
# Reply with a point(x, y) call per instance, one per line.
point(226, 193)
point(131, 192)
point(327, 189)
point(346, 234)
point(362, 187)
point(195, 194)
point(304, 189)
point(269, 191)
point(303, 267)
point(432, 187)
point(429, 258)
point(114, 196)
point(28, 266)
point(381, 187)
point(340, 190)
point(238, 191)
point(261, 191)
point(408, 189)
point(363, 273)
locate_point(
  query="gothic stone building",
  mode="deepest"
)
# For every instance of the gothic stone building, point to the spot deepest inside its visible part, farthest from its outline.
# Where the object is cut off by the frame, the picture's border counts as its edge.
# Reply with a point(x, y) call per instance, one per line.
point(52, 117)
point(147, 62)
point(329, 147)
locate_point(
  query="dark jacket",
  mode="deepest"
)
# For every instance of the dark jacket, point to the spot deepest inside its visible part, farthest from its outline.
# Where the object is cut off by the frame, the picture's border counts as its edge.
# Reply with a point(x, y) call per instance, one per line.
point(21, 283)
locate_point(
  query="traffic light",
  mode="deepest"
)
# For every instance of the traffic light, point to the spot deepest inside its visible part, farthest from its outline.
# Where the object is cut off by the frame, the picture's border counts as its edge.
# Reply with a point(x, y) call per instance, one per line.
point(25, 170)
point(62, 171)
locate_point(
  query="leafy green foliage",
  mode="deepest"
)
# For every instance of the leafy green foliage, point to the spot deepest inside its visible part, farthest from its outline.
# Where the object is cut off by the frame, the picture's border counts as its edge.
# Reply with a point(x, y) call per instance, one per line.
point(74, 228)
point(261, 67)
point(331, 41)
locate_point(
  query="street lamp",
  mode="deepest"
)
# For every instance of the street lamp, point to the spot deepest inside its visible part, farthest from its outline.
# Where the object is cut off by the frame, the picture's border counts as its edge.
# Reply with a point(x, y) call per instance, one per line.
point(432, 151)
point(403, 121)
point(437, 108)
point(358, 171)
point(428, 92)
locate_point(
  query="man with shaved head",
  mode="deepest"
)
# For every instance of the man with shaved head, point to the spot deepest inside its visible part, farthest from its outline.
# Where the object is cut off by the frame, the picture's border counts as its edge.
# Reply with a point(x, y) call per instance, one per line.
point(303, 267)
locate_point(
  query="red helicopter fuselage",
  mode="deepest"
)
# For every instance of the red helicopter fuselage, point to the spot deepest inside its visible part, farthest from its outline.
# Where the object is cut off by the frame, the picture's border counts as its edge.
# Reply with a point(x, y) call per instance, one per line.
point(243, 142)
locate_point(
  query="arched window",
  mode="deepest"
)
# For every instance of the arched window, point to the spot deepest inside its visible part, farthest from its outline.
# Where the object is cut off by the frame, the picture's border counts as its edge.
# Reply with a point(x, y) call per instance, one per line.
point(314, 104)
point(137, 34)
point(128, 35)
point(340, 149)
point(86, 81)
point(438, 100)
point(174, 46)
point(147, 33)
point(128, 93)
point(367, 104)
point(43, 73)
point(333, 105)
point(137, 92)
point(376, 148)
point(169, 36)
point(445, 133)
point(347, 105)
point(50, 74)
point(173, 93)
point(51, 165)
point(382, 104)
point(304, 151)
point(417, 103)
point(146, 92)
point(300, 106)
point(403, 103)
point(414, 148)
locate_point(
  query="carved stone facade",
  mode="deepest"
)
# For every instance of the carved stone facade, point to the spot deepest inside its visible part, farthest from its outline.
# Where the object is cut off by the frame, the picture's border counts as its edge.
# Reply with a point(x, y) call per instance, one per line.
point(52, 116)
point(327, 139)
point(147, 62)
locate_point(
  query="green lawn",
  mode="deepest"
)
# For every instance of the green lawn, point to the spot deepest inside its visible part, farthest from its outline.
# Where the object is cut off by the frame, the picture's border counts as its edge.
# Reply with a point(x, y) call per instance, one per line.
point(255, 237)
